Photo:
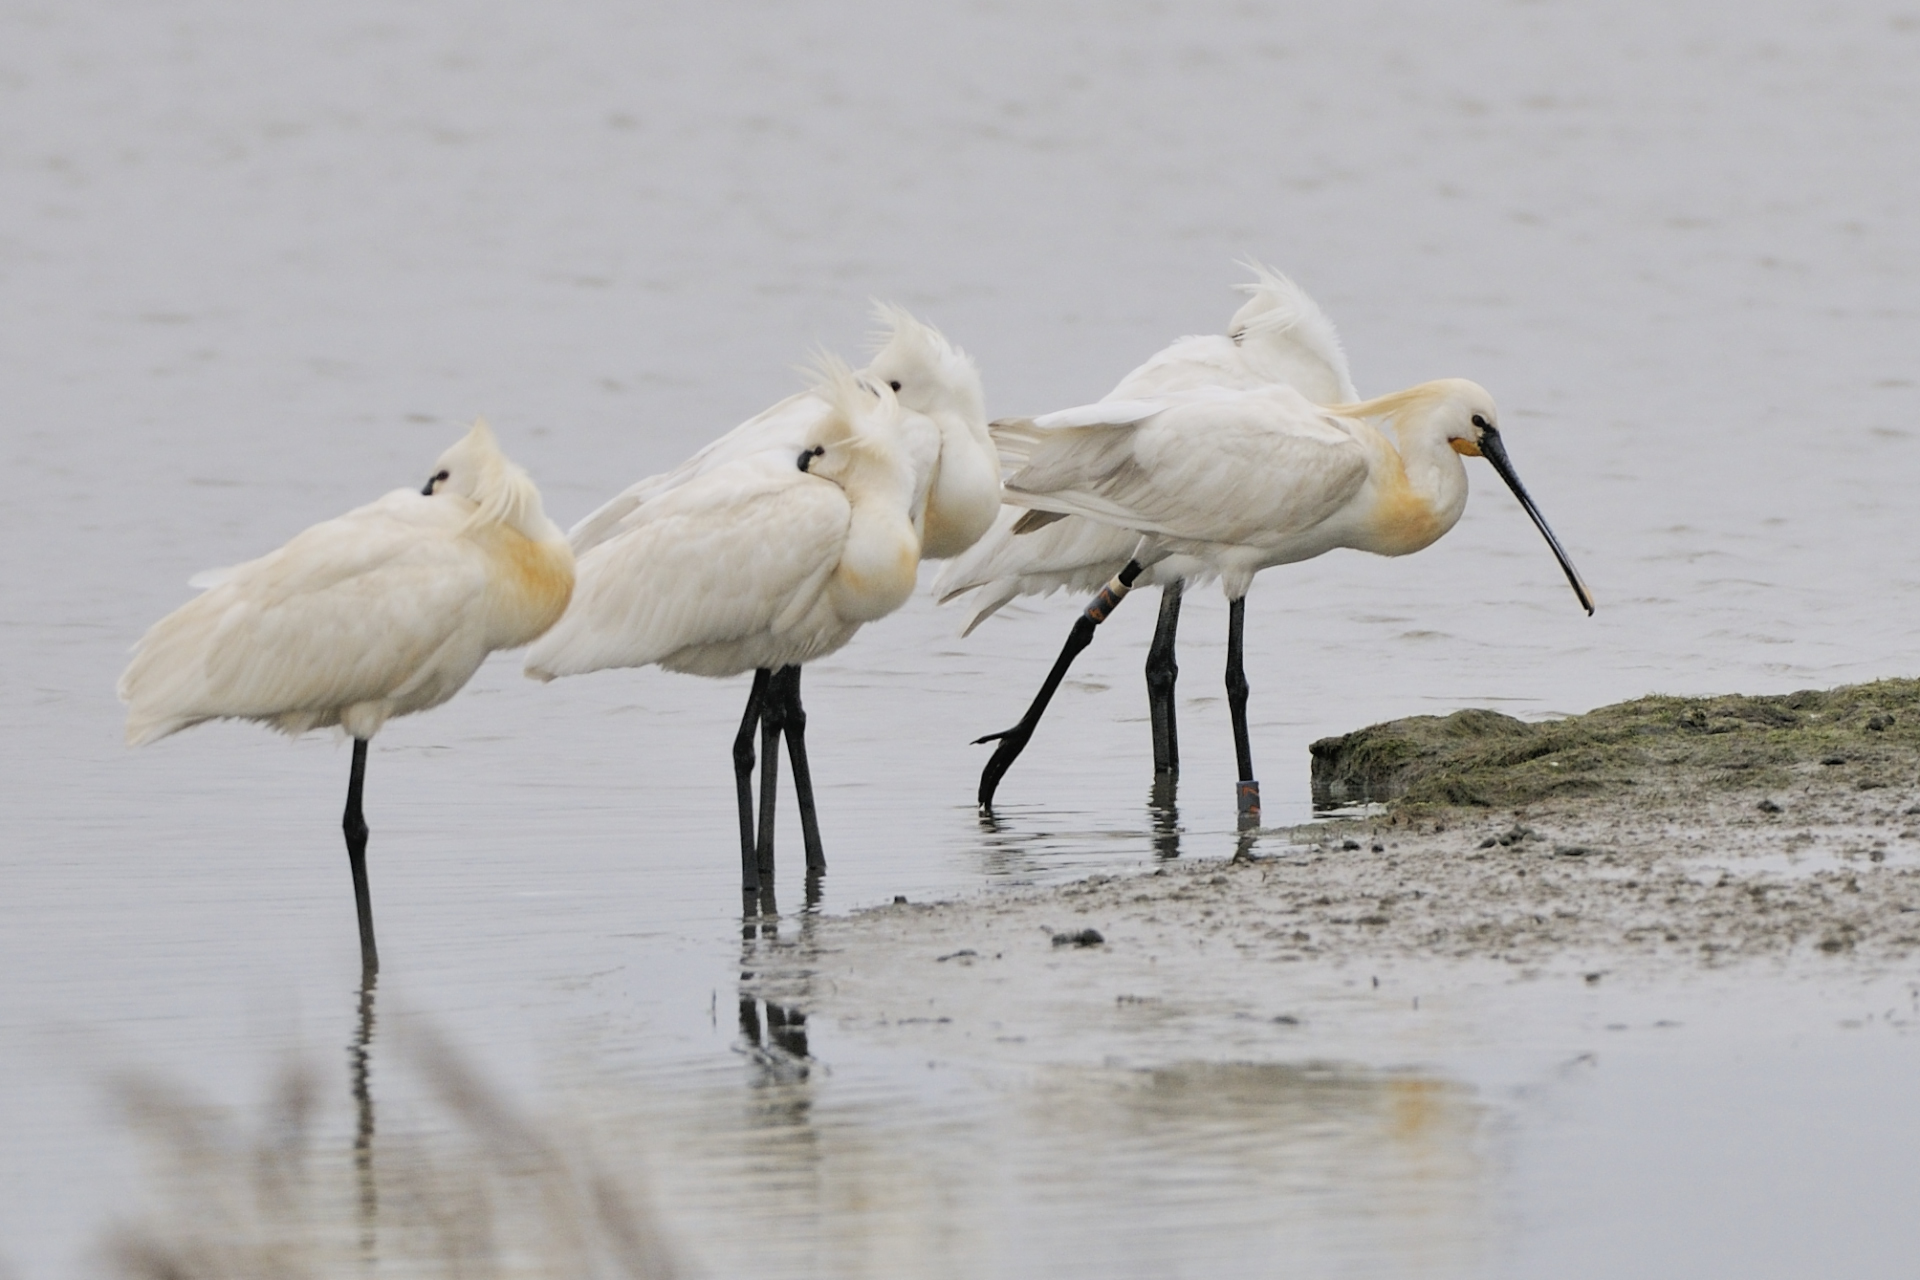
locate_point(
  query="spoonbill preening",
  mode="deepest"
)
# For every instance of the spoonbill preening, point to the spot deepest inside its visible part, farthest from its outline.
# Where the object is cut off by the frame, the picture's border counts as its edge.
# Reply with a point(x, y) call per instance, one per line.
point(382, 612)
point(1220, 457)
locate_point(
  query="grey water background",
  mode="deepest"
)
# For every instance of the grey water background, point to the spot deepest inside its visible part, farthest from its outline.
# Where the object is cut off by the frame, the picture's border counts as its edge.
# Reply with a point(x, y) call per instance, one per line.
point(258, 265)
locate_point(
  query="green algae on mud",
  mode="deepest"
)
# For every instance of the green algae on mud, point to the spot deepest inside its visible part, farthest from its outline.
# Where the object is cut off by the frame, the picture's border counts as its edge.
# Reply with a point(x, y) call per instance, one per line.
point(1865, 735)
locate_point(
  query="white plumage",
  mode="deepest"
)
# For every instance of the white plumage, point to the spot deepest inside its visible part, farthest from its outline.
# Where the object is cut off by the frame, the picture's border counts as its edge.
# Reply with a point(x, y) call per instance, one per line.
point(766, 550)
point(1240, 480)
point(930, 377)
point(1278, 337)
point(751, 561)
point(1219, 458)
point(385, 611)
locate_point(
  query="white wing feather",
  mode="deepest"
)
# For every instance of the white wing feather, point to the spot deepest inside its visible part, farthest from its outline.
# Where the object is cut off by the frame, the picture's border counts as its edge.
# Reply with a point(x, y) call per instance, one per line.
point(739, 553)
point(1219, 467)
point(783, 429)
point(367, 608)
point(1279, 336)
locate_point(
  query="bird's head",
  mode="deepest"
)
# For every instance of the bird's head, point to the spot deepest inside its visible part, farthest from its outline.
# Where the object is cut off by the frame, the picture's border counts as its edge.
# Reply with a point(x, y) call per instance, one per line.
point(1463, 415)
point(854, 431)
point(1472, 425)
point(929, 374)
point(501, 493)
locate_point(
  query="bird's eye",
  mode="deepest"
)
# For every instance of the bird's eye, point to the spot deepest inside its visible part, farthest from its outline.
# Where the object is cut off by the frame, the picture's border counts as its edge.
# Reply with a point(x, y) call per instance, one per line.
point(1482, 423)
point(894, 383)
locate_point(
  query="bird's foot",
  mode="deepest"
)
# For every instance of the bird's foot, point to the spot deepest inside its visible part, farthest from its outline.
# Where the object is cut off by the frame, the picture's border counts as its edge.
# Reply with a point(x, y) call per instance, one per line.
point(1012, 742)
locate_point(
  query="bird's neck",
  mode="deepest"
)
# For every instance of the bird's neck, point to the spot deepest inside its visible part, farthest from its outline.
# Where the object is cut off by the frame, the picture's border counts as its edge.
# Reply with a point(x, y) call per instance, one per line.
point(965, 495)
point(879, 561)
point(531, 585)
point(1420, 490)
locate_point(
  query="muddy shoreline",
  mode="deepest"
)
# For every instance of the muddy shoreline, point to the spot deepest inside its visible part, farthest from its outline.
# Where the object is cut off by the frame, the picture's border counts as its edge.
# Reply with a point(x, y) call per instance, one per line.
point(1802, 858)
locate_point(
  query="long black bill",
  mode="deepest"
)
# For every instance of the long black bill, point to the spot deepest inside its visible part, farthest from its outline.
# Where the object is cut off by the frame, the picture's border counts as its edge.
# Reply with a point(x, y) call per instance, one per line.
point(1495, 452)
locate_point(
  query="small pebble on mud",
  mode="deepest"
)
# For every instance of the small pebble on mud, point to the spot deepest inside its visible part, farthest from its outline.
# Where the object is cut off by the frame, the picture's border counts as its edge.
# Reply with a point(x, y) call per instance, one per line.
point(1349, 844)
point(1084, 938)
point(1768, 806)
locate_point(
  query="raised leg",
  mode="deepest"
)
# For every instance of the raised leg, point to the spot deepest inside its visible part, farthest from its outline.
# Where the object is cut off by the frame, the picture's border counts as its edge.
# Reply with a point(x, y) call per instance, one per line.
point(1162, 671)
point(1247, 793)
point(796, 728)
point(1013, 741)
point(354, 824)
point(773, 718)
point(743, 781)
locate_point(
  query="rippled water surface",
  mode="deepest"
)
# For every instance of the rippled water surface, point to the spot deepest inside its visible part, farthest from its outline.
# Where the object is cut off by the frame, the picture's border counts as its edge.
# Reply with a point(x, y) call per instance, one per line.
point(258, 265)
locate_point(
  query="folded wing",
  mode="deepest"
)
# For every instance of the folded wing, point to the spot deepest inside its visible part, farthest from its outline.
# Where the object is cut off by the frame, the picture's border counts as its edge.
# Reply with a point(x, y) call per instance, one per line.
point(373, 607)
point(726, 556)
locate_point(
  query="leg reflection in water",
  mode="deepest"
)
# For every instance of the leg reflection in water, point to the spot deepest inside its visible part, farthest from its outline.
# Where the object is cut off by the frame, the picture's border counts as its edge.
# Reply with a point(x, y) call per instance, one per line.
point(773, 973)
point(1165, 810)
point(360, 1077)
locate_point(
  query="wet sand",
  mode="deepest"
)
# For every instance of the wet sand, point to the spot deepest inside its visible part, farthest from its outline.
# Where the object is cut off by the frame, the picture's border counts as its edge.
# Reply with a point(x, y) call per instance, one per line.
point(1688, 877)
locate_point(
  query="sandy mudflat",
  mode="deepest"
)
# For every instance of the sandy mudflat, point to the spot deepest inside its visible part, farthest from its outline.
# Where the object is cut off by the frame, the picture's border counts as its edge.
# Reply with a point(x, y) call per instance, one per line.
point(1683, 875)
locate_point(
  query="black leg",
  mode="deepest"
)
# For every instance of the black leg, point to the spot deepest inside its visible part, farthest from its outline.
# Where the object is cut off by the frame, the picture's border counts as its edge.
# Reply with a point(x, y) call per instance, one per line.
point(796, 728)
point(743, 781)
point(1248, 791)
point(1162, 671)
point(773, 718)
point(354, 824)
point(1013, 741)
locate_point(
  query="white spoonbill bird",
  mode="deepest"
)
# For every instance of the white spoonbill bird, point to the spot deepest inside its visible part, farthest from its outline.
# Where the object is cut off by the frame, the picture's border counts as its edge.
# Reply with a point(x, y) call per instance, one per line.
point(1227, 481)
point(385, 611)
point(761, 561)
point(1279, 336)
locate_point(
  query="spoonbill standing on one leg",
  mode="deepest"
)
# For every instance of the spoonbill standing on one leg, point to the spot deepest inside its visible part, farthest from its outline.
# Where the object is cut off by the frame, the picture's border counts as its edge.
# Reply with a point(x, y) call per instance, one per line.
point(770, 549)
point(1233, 480)
point(1278, 337)
point(385, 611)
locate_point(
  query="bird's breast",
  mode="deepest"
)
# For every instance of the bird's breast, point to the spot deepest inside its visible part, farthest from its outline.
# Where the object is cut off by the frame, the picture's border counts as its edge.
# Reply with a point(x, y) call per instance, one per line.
point(532, 583)
point(1402, 520)
point(876, 571)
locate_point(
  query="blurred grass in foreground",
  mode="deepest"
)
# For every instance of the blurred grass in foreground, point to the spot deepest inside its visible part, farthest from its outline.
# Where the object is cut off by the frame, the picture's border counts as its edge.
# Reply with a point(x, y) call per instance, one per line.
point(485, 1192)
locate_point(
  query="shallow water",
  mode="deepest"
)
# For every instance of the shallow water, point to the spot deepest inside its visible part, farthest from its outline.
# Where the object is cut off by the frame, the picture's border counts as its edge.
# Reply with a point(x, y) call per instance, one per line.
point(257, 268)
